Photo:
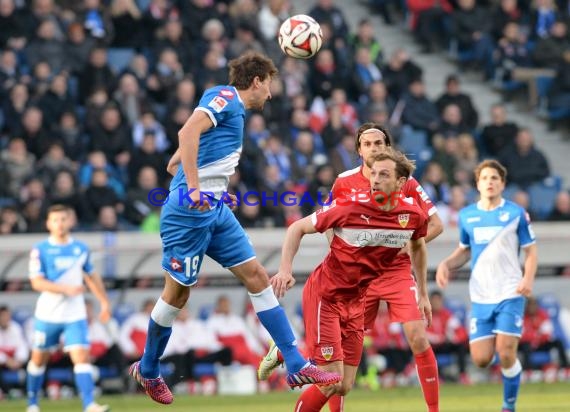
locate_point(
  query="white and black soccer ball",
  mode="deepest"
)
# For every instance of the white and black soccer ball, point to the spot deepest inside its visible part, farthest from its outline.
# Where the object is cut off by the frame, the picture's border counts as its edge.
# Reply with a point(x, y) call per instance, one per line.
point(300, 36)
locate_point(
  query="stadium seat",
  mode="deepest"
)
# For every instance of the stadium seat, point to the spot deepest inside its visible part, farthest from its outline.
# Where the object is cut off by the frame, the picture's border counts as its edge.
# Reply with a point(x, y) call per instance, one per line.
point(458, 307)
point(21, 314)
point(60, 375)
point(119, 58)
point(551, 304)
point(204, 369)
point(122, 311)
point(542, 198)
point(205, 311)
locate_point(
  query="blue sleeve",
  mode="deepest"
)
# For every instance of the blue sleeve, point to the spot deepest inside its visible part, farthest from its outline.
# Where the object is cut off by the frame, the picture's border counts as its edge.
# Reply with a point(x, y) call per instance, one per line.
point(463, 234)
point(215, 105)
point(88, 265)
point(524, 230)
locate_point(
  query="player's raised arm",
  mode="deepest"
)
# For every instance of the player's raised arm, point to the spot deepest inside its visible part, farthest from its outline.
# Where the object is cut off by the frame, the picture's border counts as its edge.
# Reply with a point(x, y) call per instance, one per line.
point(189, 141)
point(458, 258)
point(418, 252)
point(95, 284)
point(284, 279)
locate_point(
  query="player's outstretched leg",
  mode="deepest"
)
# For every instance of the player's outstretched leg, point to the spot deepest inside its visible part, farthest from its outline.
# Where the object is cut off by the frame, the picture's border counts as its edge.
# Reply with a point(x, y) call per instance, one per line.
point(269, 363)
point(155, 388)
point(273, 318)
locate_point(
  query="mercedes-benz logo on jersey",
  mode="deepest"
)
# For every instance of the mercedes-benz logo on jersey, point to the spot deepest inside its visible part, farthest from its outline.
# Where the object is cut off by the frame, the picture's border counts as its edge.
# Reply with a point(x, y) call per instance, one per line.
point(364, 238)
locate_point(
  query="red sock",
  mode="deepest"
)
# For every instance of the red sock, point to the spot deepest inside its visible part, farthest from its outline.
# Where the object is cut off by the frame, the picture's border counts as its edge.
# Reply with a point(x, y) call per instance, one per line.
point(427, 372)
point(336, 403)
point(311, 400)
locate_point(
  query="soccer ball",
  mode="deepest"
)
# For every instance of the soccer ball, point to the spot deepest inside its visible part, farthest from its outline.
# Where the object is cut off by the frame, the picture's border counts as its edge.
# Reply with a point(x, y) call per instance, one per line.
point(300, 36)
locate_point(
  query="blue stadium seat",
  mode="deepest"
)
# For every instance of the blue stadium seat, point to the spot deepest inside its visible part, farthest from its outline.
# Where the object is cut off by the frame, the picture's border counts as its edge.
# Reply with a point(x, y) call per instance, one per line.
point(542, 198)
point(119, 58)
point(551, 304)
point(458, 307)
point(204, 369)
point(60, 375)
point(21, 314)
point(122, 311)
point(205, 311)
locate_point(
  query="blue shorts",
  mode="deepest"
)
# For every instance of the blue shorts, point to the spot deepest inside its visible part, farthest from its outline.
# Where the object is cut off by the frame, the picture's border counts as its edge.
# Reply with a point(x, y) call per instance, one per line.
point(188, 234)
point(488, 320)
point(47, 334)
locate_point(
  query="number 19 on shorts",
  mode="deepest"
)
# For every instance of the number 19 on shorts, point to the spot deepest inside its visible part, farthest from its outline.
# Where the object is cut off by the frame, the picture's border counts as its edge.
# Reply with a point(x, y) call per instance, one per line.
point(191, 266)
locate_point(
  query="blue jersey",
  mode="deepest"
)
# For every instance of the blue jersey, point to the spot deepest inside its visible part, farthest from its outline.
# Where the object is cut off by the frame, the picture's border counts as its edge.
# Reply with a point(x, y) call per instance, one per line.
point(63, 264)
point(220, 146)
point(495, 238)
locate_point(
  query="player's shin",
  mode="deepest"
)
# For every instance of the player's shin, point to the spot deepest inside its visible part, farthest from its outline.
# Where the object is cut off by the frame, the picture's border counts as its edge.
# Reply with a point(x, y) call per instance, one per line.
point(336, 403)
point(273, 318)
point(159, 331)
point(83, 374)
point(426, 365)
point(511, 385)
point(311, 400)
point(34, 382)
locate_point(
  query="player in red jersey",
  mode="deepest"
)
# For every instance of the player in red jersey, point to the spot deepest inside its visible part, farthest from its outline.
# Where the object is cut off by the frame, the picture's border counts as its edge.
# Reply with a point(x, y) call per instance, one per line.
point(396, 285)
point(368, 234)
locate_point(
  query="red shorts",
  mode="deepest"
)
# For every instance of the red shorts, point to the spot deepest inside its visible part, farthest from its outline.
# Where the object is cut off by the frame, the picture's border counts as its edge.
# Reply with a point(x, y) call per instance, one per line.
point(399, 292)
point(334, 331)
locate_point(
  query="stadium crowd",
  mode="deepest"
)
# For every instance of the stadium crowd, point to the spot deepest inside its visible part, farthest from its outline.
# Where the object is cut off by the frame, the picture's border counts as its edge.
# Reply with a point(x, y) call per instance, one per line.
point(94, 92)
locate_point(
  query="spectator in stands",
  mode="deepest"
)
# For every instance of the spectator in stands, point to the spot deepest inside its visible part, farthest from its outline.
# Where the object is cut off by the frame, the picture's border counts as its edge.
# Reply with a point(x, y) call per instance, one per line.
point(77, 49)
point(550, 49)
point(97, 160)
point(449, 213)
point(399, 73)
point(148, 125)
point(14, 350)
point(157, 14)
point(103, 339)
point(13, 34)
point(277, 113)
point(70, 134)
point(63, 191)
point(96, 73)
point(451, 126)
point(245, 40)
point(35, 203)
point(233, 333)
point(471, 27)
point(430, 22)
point(192, 342)
point(366, 71)
point(326, 11)
point(132, 333)
point(14, 107)
point(325, 76)
point(55, 101)
point(112, 136)
point(173, 38)
point(364, 37)
point(11, 221)
point(18, 165)
point(108, 221)
point(249, 213)
point(419, 117)
point(447, 335)
point(467, 158)
point(434, 182)
point(377, 95)
point(130, 98)
point(542, 18)
point(561, 210)
point(46, 46)
point(344, 156)
point(320, 186)
point(37, 138)
point(51, 163)
point(137, 207)
point(521, 198)
point(147, 155)
point(98, 195)
point(538, 335)
point(500, 133)
point(305, 158)
point(454, 95)
point(511, 54)
point(525, 164)
point(97, 21)
point(126, 18)
point(507, 11)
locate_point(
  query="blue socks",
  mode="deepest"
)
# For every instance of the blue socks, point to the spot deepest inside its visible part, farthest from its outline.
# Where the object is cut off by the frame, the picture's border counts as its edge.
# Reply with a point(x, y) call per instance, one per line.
point(159, 331)
point(34, 382)
point(273, 318)
point(511, 385)
point(83, 374)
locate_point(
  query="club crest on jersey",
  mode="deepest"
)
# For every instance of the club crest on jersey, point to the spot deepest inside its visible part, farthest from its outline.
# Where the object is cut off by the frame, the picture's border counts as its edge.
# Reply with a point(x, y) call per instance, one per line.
point(227, 93)
point(504, 216)
point(327, 352)
point(403, 219)
point(218, 103)
point(175, 265)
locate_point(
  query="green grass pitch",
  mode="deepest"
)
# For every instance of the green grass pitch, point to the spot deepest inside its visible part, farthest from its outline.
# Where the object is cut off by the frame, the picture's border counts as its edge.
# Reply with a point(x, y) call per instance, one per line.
point(454, 398)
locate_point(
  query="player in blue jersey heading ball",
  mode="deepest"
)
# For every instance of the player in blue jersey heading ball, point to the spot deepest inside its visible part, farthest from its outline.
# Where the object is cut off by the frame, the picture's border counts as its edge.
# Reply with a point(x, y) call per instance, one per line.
point(195, 221)
point(59, 267)
point(492, 232)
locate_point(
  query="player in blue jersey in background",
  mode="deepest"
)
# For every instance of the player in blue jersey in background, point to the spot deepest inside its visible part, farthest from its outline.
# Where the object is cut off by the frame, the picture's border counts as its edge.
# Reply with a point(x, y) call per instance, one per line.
point(492, 232)
point(195, 221)
point(59, 267)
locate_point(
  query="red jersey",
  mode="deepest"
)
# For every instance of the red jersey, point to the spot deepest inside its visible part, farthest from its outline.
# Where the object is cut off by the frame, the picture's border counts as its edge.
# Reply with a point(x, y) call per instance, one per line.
point(353, 181)
point(366, 240)
point(537, 328)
